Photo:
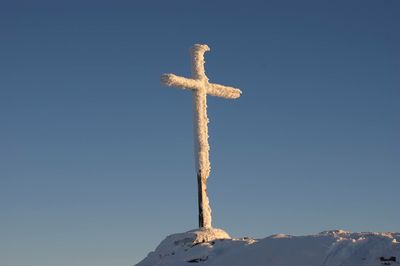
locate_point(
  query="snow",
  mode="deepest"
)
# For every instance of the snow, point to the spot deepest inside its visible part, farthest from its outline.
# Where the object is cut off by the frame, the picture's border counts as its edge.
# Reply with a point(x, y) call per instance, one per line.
point(214, 247)
point(200, 87)
point(197, 54)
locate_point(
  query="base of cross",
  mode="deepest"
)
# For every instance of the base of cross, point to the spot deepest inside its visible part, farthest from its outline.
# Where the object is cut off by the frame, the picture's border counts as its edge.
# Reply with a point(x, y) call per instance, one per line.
point(204, 205)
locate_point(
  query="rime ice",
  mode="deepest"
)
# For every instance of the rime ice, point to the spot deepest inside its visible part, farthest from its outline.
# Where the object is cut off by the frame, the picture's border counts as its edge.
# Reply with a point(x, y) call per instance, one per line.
point(201, 87)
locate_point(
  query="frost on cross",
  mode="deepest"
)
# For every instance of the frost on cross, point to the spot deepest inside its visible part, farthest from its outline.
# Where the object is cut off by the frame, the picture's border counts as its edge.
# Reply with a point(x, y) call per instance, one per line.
point(201, 87)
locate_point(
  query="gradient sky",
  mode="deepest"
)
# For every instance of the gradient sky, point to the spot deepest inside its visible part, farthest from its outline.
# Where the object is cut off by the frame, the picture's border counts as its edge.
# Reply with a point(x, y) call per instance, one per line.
point(96, 157)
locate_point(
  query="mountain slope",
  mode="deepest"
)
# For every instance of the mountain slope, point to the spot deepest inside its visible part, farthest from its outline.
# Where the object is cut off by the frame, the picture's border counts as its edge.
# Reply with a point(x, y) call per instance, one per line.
point(214, 247)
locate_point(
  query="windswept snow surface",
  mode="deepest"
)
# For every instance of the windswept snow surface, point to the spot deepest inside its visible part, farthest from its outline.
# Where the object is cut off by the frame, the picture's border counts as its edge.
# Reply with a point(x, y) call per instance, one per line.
point(214, 247)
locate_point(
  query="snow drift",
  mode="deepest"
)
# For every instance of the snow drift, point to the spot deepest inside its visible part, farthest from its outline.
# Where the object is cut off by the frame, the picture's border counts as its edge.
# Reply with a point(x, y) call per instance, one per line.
point(213, 247)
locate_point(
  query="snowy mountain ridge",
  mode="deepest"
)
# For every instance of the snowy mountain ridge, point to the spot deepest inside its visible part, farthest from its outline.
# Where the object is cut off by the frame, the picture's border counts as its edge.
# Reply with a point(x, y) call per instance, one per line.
point(213, 247)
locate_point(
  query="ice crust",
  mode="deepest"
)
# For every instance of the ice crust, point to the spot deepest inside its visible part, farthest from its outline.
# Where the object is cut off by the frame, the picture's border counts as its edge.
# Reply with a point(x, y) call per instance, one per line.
point(201, 87)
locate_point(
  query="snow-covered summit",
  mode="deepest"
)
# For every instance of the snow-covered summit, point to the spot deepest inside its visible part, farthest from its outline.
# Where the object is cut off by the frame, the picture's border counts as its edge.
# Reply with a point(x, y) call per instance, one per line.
point(214, 247)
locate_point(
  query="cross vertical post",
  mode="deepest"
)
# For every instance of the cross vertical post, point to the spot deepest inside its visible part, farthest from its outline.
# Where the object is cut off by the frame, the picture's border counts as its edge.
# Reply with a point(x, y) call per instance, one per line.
point(201, 87)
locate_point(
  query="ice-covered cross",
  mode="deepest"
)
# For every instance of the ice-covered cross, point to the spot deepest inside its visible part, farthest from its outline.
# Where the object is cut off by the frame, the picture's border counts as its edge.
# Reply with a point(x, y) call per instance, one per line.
point(201, 87)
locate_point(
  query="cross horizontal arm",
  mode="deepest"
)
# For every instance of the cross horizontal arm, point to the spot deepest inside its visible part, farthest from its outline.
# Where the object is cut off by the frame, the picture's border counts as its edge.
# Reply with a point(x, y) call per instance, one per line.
point(172, 80)
point(223, 91)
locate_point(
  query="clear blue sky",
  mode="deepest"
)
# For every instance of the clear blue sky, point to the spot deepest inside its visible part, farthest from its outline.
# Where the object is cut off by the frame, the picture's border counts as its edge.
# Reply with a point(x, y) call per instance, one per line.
point(96, 157)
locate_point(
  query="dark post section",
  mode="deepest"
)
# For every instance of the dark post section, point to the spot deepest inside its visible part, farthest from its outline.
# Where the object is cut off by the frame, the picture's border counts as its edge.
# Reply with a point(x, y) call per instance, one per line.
point(200, 198)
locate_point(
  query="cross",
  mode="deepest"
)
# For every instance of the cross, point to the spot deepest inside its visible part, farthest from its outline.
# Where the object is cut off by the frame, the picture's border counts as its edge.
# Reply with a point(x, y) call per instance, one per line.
point(201, 87)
